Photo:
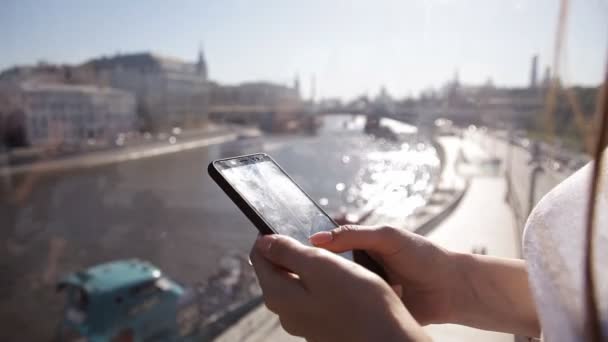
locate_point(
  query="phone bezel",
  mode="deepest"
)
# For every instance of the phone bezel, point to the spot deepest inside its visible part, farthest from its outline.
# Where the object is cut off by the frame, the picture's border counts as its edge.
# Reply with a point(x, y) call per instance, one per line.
point(252, 214)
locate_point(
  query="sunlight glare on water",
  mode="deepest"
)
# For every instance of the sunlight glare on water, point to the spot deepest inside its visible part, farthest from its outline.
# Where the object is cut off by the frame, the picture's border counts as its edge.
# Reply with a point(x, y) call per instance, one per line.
point(359, 173)
point(397, 179)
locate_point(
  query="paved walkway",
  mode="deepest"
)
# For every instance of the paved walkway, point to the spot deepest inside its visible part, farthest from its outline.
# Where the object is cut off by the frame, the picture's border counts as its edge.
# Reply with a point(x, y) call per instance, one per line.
point(482, 219)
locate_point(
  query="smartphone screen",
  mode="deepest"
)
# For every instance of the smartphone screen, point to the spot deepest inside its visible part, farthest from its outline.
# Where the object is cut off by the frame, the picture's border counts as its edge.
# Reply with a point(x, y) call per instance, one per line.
point(277, 199)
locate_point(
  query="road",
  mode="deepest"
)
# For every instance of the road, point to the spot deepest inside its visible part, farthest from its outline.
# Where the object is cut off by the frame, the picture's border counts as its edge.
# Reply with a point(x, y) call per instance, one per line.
point(483, 219)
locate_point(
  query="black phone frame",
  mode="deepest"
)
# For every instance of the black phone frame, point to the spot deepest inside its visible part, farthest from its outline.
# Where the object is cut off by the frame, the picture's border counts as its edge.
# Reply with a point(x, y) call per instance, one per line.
point(257, 219)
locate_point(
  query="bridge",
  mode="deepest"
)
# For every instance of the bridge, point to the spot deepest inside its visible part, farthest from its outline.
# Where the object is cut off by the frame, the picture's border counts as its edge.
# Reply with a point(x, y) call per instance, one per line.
point(421, 115)
point(408, 117)
point(266, 115)
point(279, 117)
point(282, 117)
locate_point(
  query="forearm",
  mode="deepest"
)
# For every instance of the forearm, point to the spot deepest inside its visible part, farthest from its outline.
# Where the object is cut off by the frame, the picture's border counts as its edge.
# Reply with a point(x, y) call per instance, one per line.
point(494, 294)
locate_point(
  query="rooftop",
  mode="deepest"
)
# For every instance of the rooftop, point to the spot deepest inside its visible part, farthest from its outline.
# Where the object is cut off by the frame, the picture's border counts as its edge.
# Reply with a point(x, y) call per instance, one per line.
point(114, 275)
point(144, 59)
point(68, 88)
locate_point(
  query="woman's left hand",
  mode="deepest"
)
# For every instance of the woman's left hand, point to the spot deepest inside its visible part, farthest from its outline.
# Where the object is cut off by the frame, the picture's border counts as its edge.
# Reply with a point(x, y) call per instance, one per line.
point(324, 297)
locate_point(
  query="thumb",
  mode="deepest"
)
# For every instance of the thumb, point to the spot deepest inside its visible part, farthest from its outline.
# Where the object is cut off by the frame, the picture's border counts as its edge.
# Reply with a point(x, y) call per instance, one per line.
point(380, 240)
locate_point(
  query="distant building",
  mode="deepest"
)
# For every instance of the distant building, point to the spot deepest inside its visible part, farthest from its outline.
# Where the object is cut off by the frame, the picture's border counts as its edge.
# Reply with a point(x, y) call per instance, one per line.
point(255, 94)
point(71, 115)
point(546, 78)
point(12, 128)
point(296, 85)
point(534, 72)
point(39, 73)
point(169, 92)
point(487, 104)
point(520, 106)
point(269, 105)
point(383, 103)
point(329, 104)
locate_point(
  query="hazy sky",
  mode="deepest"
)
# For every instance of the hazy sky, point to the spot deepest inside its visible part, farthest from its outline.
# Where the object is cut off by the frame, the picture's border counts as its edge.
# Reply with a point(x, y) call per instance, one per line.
point(352, 47)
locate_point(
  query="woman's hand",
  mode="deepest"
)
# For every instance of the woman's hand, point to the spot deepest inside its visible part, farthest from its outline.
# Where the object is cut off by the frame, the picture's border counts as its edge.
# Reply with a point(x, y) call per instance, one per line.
point(422, 271)
point(439, 286)
point(324, 297)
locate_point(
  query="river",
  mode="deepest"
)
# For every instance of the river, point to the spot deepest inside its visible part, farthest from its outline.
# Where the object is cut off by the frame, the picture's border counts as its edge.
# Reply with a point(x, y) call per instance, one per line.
point(168, 211)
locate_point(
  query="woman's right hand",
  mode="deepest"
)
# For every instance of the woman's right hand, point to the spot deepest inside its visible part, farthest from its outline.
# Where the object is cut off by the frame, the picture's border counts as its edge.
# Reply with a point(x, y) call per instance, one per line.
point(422, 273)
point(439, 286)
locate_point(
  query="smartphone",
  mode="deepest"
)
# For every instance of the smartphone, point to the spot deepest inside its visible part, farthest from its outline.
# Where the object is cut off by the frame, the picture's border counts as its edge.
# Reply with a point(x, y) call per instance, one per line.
point(275, 203)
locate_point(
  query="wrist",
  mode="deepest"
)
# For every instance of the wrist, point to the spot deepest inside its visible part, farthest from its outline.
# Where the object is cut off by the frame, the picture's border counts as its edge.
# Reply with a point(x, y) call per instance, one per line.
point(407, 329)
point(462, 292)
point(492, 293)
point(396, 321)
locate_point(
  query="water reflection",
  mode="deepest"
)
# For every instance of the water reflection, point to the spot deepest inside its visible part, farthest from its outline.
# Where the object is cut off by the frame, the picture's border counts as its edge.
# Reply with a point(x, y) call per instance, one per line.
point(373, 174)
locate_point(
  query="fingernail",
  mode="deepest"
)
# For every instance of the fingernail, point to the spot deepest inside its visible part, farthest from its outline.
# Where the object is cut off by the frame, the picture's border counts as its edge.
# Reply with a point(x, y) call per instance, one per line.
point(321, 238)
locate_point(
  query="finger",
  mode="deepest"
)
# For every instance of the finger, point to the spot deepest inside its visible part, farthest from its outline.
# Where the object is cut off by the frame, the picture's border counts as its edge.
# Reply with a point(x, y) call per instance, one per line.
point(280, 288)
point(285, 252)
point(381, 240)
point(270, 275)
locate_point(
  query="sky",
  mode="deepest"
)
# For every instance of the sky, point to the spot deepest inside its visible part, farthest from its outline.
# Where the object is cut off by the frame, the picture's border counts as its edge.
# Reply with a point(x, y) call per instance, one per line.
point(349, 47)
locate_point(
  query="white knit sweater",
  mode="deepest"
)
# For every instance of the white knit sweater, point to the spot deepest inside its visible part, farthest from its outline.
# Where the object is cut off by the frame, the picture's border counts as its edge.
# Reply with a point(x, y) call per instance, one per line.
point(553, 248)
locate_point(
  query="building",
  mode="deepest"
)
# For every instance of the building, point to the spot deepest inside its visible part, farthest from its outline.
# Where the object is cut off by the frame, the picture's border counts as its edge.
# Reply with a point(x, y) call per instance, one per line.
point(488, 104)
point(69, 115)
point(264, 94)
point(534, 72)
point(271, 106)
point(518, 106)
point(12, 132)
point(169, 92)
point(39, 73)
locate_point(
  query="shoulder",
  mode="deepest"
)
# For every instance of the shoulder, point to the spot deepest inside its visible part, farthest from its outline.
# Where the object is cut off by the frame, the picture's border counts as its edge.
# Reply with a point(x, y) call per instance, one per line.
point(554, 242)
point(564, 208)
point(564, 205)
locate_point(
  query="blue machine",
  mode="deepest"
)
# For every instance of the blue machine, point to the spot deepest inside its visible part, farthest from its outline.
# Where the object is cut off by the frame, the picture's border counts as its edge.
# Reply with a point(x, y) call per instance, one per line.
point(127, 300)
